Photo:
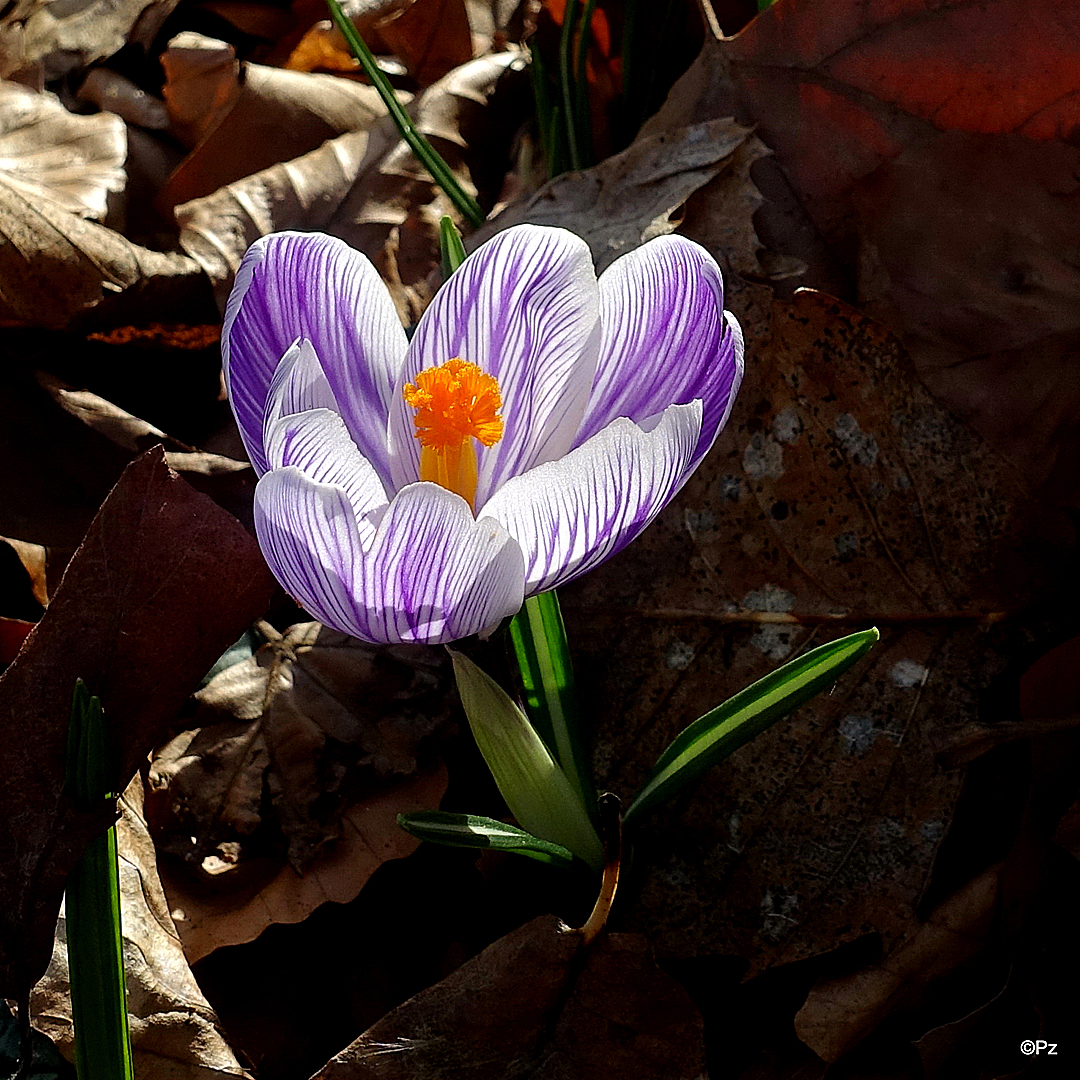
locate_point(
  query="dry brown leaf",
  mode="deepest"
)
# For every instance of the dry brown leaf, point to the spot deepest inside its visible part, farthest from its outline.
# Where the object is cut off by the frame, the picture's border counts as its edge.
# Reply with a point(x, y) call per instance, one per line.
point(241, 118)
point(430, 37)
point(839, 1013)
point(174, 1031)
point(838, 493)
point(365, 187)
point(131, 619)
point(59, 39)
point(636, 195)
point(48, 153)
point(536, 1005)
point(317, 724)
point(55, 266)
point(370, 835)
point(932, 145)
point(113, 92)
point(312, 720)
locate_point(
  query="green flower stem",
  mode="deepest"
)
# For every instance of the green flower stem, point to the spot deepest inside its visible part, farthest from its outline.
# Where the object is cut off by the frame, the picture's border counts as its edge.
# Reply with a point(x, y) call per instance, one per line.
point(538, 636)
point(92, 907)
point(427, 154)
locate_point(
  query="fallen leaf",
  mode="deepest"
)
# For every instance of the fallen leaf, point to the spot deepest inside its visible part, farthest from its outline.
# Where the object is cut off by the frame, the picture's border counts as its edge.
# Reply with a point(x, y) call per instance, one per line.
point(365, 187)
point(275, 893)
point(61, 39)
point(54, 266)
point(840, 1012)
point(838, 496)
point(312, 720)
point(430, 37)
point(536, 1004)
point(174, 1031)
point(239, 119)
point(49, 153)
point(131, 618)
point(932, 146)
point(635, 195)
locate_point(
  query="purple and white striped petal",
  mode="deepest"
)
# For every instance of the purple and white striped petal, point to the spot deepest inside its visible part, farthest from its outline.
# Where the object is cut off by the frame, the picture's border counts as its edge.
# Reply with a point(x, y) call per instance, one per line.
point(431, 574)
point(665, 340)
point(572, 514)
point(524, 308)
point(307, 285)
point(318, 444)
point(298, 384)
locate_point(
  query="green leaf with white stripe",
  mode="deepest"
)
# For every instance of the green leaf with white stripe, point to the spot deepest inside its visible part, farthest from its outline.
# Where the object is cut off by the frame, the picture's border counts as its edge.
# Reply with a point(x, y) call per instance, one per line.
point(473, 831)
point(719, 733)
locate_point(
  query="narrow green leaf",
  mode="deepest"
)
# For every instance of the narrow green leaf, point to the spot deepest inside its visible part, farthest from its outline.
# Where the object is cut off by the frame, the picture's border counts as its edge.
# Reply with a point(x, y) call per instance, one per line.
point(535, 788)
point(441, 173)
point(719, 733)
point(538, 638)
point(582, 112)
point(472, 831)
point(92, 909)
point(451, 249)
point(566, 81)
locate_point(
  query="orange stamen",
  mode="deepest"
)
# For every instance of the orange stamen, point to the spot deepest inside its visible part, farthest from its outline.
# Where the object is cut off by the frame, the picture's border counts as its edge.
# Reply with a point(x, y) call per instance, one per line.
point(455, 403)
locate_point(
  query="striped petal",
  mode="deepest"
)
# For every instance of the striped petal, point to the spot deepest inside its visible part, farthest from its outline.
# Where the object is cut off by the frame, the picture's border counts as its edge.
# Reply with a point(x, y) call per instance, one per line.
point(524, 308)
point(431, 573)
point(665, 340)
point(570, 515)
point(307, 285)
point(319, 445)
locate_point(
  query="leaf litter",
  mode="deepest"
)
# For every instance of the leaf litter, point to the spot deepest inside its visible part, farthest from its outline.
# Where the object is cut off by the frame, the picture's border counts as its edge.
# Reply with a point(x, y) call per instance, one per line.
point(840, 878)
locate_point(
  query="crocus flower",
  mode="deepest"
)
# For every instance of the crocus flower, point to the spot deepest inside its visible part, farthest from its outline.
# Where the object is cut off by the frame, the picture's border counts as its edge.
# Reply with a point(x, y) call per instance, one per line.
point(534, 425)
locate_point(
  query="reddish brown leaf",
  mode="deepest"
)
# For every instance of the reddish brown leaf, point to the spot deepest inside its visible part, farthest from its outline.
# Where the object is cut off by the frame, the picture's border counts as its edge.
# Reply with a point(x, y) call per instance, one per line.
point(932, 145)
point(536, 1004)
point(163, 582)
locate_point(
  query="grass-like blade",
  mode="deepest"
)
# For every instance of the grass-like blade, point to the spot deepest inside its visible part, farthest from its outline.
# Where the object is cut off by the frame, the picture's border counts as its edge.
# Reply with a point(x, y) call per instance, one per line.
point(473, 831)
point(538, 638)
point(441, 173)
point(719, 733)
point(451, 249)
point(92, 907)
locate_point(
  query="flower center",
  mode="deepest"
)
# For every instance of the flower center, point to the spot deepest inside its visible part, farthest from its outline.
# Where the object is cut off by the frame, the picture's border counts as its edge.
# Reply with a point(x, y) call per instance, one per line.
point(455, 403)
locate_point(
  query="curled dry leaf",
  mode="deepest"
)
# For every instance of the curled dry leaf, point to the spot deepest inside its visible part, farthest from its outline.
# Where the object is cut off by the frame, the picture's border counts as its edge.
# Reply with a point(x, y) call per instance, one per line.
point(369, 836)
point(131, 619)
point(840, 1012)
point(59, 38)
point(365, 187)
point(238, 119)
point(174, 1031)
point(538, 1004)
point(49, 153)
point(114, 93)
point(321, 730)
point(54, 266)
point(637, 194)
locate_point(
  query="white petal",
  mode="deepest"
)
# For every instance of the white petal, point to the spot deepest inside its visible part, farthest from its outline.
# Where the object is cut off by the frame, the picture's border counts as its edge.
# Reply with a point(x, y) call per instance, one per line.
point(570, 515)
point(431, 574)
point(524, 308)
point(319, 445)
